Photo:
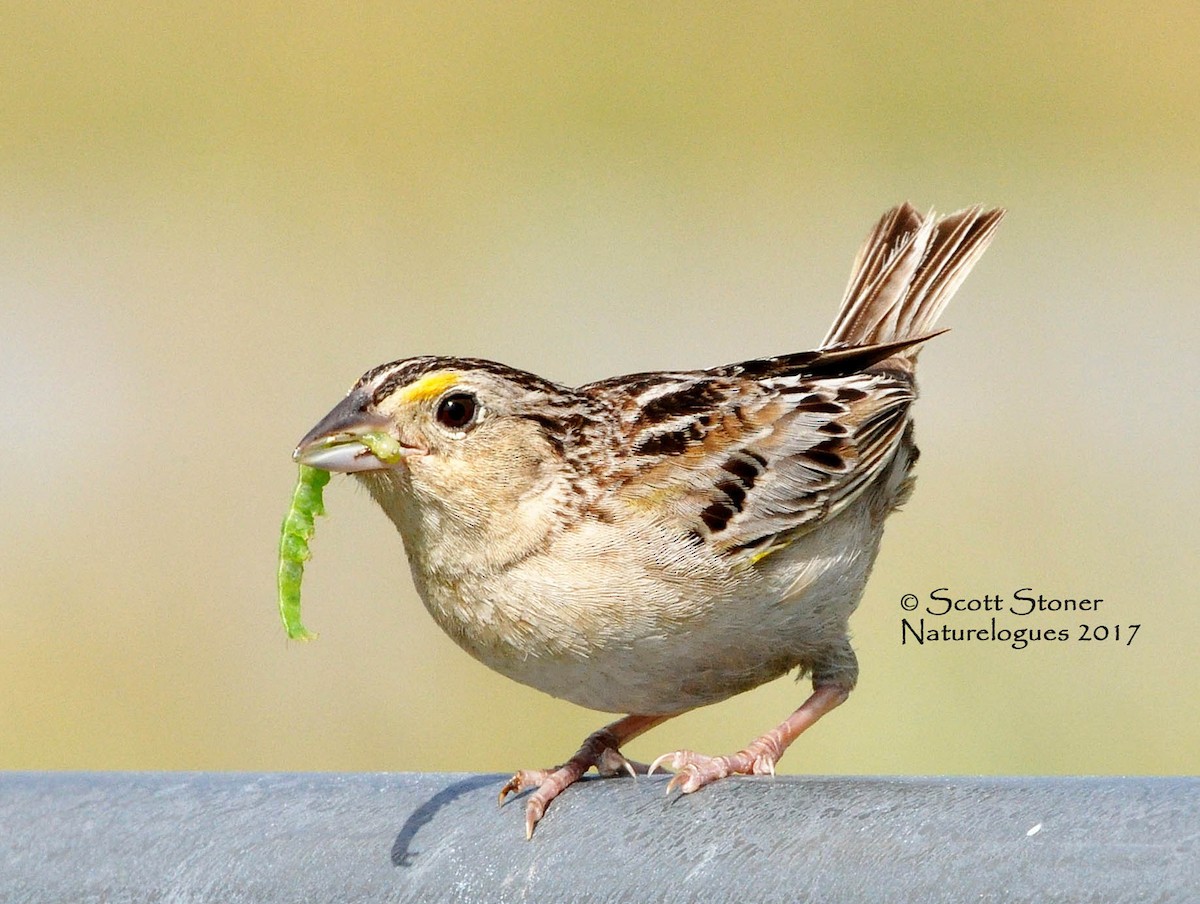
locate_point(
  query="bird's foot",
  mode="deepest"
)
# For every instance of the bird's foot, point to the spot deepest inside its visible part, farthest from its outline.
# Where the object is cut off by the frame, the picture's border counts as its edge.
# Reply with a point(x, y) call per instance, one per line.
point(695, 770)
point(549, 783)
point(601, 749)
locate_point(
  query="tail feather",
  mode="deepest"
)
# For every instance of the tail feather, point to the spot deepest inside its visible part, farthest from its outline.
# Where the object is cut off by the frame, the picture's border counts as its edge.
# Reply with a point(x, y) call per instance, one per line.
point(906, 272)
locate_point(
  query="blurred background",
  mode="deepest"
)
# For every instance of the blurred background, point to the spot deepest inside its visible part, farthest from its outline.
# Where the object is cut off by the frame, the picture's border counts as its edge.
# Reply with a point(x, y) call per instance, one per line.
point(214, 217)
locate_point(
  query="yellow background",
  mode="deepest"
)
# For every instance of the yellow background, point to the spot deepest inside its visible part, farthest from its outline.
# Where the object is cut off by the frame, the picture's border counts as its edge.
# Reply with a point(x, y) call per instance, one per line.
point(213, 218)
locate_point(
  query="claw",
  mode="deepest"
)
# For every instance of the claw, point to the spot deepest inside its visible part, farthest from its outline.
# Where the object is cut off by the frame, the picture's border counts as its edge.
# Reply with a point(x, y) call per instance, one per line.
point(694, 770)
point(523, 781)
point(677, 781)
point(534, 811)
point(658, 762)
point(612, 762)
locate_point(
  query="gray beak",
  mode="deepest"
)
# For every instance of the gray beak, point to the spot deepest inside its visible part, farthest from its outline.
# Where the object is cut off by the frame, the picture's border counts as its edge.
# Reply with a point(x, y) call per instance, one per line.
point(335, 443)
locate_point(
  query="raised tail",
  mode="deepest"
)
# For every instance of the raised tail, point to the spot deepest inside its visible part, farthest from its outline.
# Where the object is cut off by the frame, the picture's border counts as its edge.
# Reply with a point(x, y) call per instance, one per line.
point(905, 274)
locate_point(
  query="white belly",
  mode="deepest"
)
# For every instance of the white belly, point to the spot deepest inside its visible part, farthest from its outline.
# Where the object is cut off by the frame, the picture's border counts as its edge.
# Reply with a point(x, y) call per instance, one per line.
point(599, 622)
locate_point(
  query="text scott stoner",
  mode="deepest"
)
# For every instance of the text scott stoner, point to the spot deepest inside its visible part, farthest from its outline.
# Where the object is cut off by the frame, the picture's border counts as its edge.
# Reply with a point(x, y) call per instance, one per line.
point(1024, 602)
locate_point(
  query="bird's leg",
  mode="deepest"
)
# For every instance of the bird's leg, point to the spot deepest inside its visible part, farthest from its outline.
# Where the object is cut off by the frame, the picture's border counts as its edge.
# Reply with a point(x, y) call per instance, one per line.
point(601, 749)
point(694, 770)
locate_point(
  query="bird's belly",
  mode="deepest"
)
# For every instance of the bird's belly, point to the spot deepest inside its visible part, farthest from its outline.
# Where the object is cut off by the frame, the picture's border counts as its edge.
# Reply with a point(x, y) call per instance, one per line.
point(631, 667)
point(630, 639)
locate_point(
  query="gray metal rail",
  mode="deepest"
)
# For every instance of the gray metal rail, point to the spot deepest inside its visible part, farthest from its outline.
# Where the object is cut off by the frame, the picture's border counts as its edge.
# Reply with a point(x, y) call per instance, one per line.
point(113, 837)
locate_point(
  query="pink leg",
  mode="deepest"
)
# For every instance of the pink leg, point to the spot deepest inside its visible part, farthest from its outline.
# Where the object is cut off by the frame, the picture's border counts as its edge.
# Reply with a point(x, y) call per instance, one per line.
point(601, 749)
point(694, 770)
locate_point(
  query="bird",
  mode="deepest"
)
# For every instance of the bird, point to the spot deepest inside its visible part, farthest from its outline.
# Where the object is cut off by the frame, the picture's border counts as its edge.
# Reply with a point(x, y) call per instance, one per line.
point(656, 542)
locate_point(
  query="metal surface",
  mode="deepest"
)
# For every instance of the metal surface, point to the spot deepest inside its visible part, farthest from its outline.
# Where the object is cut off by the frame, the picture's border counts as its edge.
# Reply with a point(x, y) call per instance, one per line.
point(312, 837)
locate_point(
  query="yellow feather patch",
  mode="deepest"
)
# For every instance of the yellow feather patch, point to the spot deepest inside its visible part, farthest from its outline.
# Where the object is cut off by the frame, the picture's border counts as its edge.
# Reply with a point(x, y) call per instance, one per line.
point(763, 553)
point(428, 386)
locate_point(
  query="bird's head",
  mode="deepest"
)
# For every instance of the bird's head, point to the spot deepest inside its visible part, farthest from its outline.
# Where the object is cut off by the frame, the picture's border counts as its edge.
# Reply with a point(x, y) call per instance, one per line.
point(470, 463)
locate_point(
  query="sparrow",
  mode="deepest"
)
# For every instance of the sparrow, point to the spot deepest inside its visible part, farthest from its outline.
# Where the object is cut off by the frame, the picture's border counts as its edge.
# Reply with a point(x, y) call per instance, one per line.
point(656, 542)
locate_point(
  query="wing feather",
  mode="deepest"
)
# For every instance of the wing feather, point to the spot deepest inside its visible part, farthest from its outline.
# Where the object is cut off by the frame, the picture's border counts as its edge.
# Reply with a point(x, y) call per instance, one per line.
point(747, 463)
point(750, 455)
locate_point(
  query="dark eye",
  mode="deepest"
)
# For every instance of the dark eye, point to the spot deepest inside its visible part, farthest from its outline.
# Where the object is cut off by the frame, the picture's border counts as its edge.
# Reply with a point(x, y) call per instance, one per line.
point(457, 411)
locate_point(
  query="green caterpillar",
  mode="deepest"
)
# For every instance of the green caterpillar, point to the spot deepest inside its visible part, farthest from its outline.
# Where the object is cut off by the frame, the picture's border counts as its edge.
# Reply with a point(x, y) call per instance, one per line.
point(383, 447)
point(298, 528)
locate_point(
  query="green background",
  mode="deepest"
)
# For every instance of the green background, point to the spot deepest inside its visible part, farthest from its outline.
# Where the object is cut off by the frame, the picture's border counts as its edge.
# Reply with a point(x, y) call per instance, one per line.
point(214, 217)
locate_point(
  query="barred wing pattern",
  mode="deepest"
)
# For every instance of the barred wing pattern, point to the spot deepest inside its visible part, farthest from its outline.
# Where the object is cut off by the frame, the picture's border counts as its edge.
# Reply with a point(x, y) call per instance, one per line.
point(749, 455)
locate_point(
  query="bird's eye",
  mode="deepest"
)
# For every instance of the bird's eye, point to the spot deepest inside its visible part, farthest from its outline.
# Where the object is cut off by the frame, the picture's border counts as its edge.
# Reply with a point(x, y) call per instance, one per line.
point(457, 411)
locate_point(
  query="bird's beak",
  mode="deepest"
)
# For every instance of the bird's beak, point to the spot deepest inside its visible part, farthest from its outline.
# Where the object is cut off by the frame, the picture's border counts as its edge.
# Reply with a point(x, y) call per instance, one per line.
point(337, 442)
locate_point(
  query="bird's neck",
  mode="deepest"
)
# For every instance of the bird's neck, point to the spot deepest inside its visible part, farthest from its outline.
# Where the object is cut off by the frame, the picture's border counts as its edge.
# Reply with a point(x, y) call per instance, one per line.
point(456, 537)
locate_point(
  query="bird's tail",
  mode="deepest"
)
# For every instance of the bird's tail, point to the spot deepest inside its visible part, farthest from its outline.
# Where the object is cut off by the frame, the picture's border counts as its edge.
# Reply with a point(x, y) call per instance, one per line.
point(905, 274)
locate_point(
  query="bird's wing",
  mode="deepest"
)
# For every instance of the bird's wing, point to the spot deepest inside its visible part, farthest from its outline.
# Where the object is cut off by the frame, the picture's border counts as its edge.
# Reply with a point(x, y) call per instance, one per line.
point(749, 456)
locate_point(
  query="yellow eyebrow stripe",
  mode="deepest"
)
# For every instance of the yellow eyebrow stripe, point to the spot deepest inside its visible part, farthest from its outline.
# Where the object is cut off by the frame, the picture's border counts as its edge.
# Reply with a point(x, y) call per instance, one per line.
point(428, 386)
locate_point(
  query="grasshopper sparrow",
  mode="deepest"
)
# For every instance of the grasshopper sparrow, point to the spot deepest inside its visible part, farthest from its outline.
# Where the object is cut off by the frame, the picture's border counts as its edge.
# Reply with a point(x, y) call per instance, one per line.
point(656, 542)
